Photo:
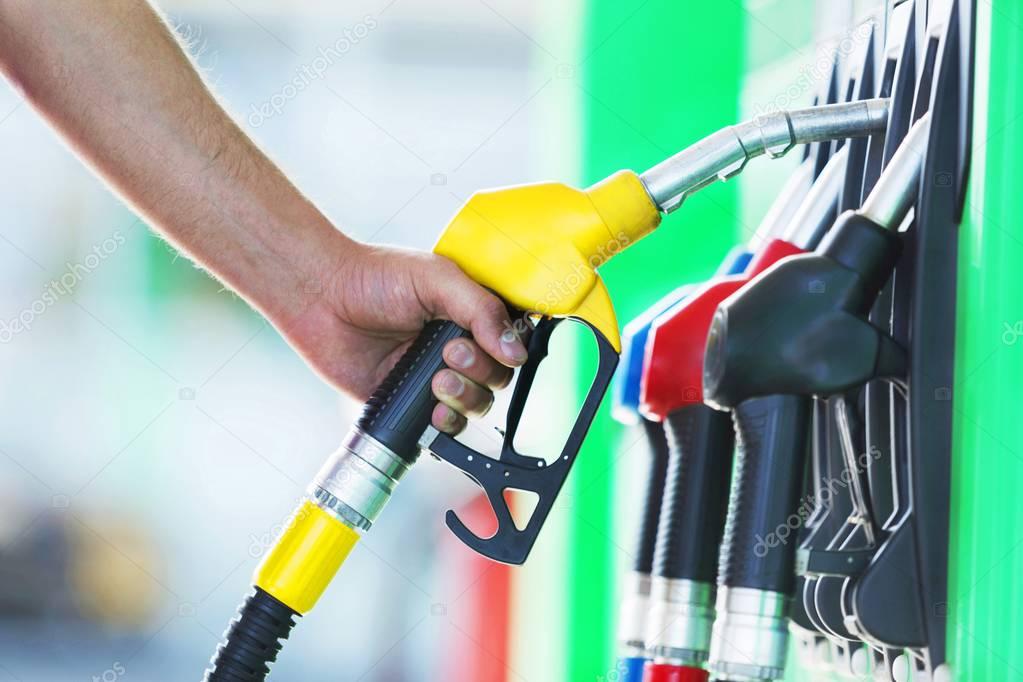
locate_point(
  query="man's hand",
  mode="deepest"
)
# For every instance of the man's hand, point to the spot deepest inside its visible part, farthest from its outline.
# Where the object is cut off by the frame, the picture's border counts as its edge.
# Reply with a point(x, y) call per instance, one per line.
point(110, 76)
point(374, 303)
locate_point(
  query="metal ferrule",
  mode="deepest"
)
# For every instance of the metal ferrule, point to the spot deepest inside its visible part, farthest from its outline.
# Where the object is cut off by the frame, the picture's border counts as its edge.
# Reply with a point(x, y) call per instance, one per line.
point(726, 152)
point(750, 634)
point(357, 480)
point(632, 614)
point(680, 621)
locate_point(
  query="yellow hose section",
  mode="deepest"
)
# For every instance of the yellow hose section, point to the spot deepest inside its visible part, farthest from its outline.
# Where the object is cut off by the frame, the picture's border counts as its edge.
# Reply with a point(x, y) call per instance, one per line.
point(305, 557)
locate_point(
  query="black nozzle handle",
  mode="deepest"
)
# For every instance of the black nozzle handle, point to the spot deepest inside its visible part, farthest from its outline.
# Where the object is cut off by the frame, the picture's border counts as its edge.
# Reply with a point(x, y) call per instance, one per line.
point(400, 409)
point(653, 493)
point(764, 508)
point(700, 443)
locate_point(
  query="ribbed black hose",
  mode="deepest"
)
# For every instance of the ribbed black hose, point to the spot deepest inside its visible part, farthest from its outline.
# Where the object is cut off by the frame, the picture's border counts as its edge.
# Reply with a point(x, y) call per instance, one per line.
point(252, 641)
point(700, 442)
point(652, 495)
point(761, 534)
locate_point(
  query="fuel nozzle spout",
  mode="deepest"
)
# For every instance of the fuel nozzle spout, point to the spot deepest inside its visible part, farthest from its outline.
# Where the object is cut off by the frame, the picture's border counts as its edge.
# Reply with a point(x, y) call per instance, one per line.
point(803, 327)
point(725, 153)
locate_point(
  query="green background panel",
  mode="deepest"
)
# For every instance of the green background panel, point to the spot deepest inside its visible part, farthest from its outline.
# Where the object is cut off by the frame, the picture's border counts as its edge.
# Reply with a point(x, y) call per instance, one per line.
point(657, 76)
point(985, 638)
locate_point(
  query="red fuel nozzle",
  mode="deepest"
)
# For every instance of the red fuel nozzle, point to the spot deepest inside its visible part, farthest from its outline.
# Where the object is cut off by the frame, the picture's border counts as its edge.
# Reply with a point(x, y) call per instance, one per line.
point(664, 672)
point(673, 371)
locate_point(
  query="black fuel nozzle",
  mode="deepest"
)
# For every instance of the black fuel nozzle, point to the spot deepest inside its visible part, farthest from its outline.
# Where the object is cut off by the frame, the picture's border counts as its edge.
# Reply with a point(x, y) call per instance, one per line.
point(802, 326)
point(779, 334)
point(800, 329)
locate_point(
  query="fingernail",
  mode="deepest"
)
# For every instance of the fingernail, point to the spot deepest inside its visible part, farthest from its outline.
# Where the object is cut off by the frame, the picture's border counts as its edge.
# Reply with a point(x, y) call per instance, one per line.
point(451, 385)
point(512, 347)
point(449, 417)
point(461, 356)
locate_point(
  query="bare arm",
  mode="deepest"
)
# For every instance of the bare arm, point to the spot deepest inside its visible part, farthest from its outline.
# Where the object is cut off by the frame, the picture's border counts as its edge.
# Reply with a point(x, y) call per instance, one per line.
point(110, 76)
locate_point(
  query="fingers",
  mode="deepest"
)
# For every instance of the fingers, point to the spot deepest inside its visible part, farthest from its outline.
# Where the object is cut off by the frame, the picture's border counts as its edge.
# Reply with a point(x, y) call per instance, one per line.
point(458, 397)
point(454, 296)
point(478, 365)
point(469, 360)
point(463, 395)
point(447, 420)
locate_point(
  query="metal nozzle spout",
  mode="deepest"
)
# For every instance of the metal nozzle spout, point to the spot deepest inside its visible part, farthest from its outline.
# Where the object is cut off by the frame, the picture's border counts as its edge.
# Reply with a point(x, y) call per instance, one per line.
point(892, 197)
point(726, 152)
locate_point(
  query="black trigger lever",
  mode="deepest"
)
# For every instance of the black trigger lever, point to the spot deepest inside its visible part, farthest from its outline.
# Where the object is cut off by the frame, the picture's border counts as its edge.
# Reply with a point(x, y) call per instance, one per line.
point(515, 471)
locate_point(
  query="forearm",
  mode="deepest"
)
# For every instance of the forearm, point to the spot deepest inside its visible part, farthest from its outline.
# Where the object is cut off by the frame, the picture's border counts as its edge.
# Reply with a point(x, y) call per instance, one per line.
point(112, 78)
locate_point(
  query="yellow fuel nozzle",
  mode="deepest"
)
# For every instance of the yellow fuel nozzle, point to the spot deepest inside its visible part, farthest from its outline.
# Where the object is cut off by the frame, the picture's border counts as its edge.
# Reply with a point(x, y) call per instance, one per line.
point(538, 246)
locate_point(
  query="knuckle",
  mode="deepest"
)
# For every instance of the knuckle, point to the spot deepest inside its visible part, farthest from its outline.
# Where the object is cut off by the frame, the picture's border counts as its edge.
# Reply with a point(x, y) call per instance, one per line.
point(448, 268)
point(493, 307)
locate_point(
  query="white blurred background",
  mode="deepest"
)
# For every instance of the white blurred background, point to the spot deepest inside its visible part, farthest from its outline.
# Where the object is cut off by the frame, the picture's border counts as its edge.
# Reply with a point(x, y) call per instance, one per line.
point(154, 432)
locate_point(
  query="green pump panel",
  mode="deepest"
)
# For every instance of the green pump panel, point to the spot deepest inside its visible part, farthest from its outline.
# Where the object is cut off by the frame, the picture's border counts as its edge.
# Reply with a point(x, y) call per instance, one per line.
point(985, 635)
point(656, 76)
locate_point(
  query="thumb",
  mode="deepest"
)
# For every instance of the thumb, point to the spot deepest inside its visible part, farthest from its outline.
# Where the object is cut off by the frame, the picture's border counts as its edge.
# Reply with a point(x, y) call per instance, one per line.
point(451, 294)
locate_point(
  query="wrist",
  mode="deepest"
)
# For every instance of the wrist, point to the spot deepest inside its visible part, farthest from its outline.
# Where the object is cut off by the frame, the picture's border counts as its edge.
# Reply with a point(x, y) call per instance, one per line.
point(277, 250)
point(302, 270)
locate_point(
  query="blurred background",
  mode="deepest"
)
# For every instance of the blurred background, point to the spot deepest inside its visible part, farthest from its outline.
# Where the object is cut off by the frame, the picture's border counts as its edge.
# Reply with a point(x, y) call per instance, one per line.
point(155, 433)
